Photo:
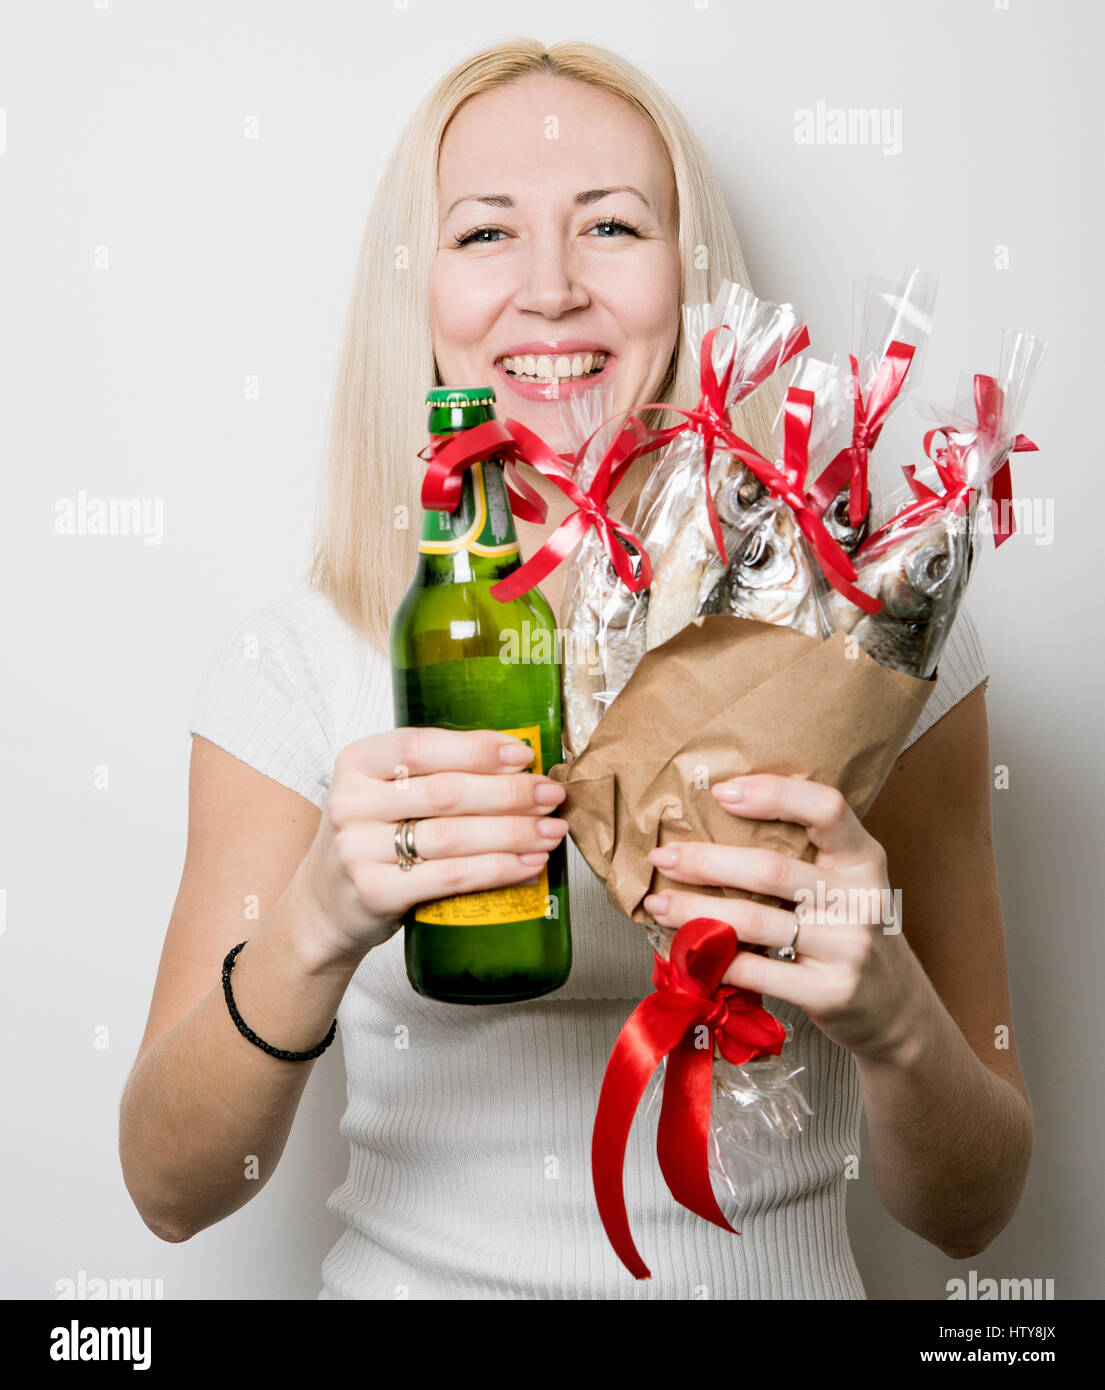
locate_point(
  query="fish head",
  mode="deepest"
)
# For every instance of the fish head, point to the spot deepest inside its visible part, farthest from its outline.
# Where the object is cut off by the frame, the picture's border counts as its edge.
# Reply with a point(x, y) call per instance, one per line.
point(847, 536)
point(921, 572)
point(739, 492)
point(770, 558)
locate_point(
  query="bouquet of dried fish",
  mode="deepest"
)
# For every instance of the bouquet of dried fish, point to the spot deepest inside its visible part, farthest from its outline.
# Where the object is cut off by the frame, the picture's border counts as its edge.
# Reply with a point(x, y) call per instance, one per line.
point(918, 561)
point(776, 636)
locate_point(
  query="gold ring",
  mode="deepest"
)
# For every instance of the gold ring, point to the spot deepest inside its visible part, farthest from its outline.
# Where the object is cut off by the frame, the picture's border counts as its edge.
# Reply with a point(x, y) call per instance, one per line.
point(405, 852)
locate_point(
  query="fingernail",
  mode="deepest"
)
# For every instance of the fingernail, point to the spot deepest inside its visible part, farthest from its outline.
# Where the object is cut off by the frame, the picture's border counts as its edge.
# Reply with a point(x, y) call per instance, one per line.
point(515, 754)
point(657, 903)
point(548, 793)
point(731, 791)
point(552, 829)
point(664, 858)
point(534, 858)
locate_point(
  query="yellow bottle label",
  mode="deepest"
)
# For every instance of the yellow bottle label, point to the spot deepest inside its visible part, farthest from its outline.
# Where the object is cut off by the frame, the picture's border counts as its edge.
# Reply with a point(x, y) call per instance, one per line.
point(521, 902)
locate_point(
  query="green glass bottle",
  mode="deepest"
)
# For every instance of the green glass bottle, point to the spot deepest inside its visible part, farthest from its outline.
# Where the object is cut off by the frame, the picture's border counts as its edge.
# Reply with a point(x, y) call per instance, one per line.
point(463, 660)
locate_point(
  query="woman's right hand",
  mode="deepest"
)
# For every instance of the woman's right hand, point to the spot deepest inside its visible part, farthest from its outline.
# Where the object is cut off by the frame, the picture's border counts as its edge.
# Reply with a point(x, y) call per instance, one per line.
point(479, 827)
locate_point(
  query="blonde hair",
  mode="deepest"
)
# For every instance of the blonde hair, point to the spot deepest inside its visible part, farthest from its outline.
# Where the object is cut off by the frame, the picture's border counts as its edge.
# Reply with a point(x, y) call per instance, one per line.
point(362, 558)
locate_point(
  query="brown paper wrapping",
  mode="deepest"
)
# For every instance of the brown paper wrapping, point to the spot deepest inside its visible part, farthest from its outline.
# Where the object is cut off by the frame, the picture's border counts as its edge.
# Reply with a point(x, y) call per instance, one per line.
point(724, 697)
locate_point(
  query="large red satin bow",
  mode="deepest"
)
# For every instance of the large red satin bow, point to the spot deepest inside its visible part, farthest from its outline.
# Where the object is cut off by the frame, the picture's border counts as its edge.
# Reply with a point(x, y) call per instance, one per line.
point(690, 1011)
point(632, 440)
point(868, 418)
point(449, 455)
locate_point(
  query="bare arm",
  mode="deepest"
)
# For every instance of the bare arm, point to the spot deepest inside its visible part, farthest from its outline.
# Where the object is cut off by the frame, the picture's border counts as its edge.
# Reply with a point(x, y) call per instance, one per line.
point(949, 1116)
point(201, 1097)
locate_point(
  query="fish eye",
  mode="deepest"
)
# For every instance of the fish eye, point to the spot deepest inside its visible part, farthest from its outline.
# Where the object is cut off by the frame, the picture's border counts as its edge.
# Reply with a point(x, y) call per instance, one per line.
point(937, 567)
point(750, 491)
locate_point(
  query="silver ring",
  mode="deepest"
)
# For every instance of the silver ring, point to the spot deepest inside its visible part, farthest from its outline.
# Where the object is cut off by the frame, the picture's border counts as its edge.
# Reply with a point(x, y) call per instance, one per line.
point(788, 952)
point(405, 852)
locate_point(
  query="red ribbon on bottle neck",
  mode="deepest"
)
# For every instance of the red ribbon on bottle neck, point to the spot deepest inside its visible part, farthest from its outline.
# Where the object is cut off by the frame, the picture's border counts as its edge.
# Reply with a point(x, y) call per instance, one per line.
point(633, 440)
point(950, 462)
point(448, 456)
point(690, 1007)
point(868, 418)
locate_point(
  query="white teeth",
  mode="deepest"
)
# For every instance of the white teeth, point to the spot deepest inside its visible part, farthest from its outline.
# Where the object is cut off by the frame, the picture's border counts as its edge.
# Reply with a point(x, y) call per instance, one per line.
point(544, 367)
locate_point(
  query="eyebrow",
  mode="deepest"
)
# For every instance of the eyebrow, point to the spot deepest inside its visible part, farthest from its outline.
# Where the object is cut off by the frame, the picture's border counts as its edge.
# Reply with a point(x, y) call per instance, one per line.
point(592, 195)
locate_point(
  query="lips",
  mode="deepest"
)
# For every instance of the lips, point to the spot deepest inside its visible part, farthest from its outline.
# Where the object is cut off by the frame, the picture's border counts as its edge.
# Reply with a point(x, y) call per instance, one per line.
point(547, 369)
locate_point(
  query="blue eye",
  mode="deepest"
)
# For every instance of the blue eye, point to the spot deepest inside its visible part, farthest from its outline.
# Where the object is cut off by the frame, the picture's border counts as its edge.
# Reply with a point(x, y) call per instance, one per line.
point(474, 233)
point(615, 222)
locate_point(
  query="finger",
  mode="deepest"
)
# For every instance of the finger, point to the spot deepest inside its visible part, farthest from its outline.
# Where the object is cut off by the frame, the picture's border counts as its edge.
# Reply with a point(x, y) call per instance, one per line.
point(407, 752)
point(802, 984)
point(452, 837)
point(832, 824)
point(756, 924)
point(738, 866)
point(445, 878)
point(445, 794)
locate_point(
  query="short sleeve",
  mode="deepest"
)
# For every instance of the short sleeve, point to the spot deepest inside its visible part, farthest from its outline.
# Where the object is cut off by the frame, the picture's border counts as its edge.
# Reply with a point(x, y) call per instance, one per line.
point(962, 667)
point(261, 699)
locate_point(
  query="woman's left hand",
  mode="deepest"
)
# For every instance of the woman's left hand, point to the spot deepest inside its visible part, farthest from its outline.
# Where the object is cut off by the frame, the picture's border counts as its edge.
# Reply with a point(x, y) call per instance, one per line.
point(854, 973)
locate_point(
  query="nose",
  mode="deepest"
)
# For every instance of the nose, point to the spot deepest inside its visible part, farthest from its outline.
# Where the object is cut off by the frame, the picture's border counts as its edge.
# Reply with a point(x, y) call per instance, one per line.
point(548, 284)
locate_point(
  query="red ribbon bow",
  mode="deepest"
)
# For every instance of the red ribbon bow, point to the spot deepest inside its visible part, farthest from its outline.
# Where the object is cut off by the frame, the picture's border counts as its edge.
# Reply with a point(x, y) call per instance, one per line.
point(633, 440)
point(690, 1007)
point(868, 419)
point(788, 484)
point(950, 462)
point(989, 405)
point(710, 418)
point(449, 455)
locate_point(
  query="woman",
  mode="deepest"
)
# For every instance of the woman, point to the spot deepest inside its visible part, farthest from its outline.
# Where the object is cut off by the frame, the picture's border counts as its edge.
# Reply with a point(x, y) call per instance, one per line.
point(544, 199)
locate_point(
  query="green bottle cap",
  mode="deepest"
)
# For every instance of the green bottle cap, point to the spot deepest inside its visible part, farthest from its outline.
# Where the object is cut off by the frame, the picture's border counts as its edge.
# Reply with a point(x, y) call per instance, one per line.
point(469, 395)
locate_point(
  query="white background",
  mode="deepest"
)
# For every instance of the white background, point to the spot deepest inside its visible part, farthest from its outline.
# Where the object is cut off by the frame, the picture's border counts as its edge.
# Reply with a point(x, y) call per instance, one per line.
point(123, 129)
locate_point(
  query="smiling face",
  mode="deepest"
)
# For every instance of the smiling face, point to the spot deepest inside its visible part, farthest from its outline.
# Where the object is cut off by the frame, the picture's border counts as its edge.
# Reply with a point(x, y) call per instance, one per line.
point(558, 264)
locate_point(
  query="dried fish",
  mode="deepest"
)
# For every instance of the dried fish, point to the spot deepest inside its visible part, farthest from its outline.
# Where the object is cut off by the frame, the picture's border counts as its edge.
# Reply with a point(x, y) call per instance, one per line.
point(771, 578)
point(920, 579)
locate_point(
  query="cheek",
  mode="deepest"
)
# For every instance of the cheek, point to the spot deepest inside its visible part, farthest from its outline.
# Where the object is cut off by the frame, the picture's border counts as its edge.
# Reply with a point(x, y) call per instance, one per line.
point(461, 308)
point(646, 301)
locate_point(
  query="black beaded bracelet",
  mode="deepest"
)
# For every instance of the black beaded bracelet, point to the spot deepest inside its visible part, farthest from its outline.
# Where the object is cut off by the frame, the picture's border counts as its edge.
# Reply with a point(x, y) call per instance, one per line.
point(247, 1032)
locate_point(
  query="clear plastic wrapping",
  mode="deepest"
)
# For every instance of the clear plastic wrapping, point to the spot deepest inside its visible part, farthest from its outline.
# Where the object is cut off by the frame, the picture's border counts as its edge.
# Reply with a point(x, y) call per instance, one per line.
point(602, 620)
point(672, 518)
point(756, 1109)
point(918, 561)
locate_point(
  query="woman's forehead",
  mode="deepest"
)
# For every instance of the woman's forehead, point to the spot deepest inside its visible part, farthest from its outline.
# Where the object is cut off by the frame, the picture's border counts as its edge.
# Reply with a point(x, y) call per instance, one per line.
point(538, 136)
